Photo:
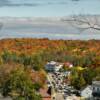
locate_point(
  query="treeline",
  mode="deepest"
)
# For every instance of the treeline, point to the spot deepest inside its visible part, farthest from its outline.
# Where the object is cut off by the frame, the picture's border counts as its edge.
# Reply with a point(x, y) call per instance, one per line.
point(38, 60)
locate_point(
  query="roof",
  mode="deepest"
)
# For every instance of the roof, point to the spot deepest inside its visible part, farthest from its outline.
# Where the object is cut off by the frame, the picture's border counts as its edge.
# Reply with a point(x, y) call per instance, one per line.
point(53, 63)
point(68, 63)
point(96, 83)
point(44, 94)
point(87, 92)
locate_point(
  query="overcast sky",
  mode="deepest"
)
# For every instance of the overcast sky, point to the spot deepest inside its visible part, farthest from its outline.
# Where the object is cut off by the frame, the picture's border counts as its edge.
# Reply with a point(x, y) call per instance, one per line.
point(48, 8)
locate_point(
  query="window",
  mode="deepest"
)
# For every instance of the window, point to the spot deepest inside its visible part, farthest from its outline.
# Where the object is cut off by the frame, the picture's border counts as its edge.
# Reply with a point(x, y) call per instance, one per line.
point(93, 88)
point(98, 89)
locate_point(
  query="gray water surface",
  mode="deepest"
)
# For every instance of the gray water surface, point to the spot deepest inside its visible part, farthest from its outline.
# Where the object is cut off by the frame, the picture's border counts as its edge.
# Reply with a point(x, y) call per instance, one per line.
point(40, 28)
point(51, 32)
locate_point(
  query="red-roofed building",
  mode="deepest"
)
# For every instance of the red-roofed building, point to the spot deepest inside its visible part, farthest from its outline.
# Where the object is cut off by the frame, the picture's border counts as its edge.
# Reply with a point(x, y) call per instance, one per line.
point(68, 64)
point(44, 94)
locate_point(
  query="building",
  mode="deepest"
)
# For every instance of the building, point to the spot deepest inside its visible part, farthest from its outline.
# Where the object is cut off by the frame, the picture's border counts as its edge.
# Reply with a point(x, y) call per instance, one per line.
point(44, 94)
point(96, 90)
point(53, 66)
point(68, 64)
point(87, 92)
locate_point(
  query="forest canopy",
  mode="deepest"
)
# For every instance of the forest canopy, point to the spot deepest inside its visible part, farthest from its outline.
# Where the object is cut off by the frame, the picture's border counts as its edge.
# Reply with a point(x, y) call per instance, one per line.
point(26, 51)
point(22, 61)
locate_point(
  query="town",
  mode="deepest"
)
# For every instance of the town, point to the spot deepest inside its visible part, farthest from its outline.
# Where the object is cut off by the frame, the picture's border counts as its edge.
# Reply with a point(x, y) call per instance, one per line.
point(49, 49)
point(60, 88)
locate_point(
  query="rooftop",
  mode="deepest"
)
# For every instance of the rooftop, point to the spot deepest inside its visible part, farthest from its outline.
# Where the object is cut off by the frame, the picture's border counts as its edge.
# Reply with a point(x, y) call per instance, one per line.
point(96, 83)
point(54, 63)
point(44, 94)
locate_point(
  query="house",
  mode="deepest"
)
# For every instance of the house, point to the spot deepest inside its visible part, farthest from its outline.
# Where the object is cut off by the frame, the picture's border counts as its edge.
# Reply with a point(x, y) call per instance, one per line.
point(53, 66)
point(68, 64)
point(96, 89)
point(44, 94)
point(87, 92)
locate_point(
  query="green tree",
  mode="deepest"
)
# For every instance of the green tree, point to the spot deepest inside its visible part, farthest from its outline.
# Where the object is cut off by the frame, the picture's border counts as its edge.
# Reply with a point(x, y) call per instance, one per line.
point(88, 75)
point(6, 56)
point(19, 84)
point(78, 82)
point(37, 86)
point(37, 62)
point(77, 79)
point(25, 60)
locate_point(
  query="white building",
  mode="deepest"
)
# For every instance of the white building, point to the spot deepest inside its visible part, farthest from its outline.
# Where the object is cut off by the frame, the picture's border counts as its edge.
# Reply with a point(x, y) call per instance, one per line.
point(53, 66)
point(87, 92)
point(96, 89)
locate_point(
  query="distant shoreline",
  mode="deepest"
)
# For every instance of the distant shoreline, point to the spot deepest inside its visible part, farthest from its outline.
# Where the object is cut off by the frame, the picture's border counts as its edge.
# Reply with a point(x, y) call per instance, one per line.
point(20, 38)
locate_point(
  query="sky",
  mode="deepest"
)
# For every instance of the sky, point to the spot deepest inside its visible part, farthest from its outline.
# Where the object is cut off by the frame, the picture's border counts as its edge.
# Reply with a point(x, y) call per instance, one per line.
point(48, 8)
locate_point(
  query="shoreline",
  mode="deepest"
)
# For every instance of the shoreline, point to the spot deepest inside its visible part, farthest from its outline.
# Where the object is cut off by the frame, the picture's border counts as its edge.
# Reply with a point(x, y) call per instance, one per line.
point(20, 38)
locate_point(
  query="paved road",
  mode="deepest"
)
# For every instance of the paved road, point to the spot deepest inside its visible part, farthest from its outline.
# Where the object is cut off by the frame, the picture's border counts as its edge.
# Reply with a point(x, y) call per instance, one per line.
point(58, 96)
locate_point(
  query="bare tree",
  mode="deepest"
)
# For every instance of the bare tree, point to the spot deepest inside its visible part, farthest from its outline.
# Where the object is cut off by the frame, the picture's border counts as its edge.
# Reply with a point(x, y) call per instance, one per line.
point(84, 22)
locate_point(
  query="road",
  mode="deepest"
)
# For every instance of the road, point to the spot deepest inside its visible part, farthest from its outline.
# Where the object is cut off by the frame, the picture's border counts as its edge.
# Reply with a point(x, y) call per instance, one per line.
point(56, 95)
point(59, 96)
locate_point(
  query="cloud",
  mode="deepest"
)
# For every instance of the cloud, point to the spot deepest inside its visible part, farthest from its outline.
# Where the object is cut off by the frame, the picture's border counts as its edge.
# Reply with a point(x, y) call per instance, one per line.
point(17, 5)
point(12, 4)
point(34, 3)
point(4, 2)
